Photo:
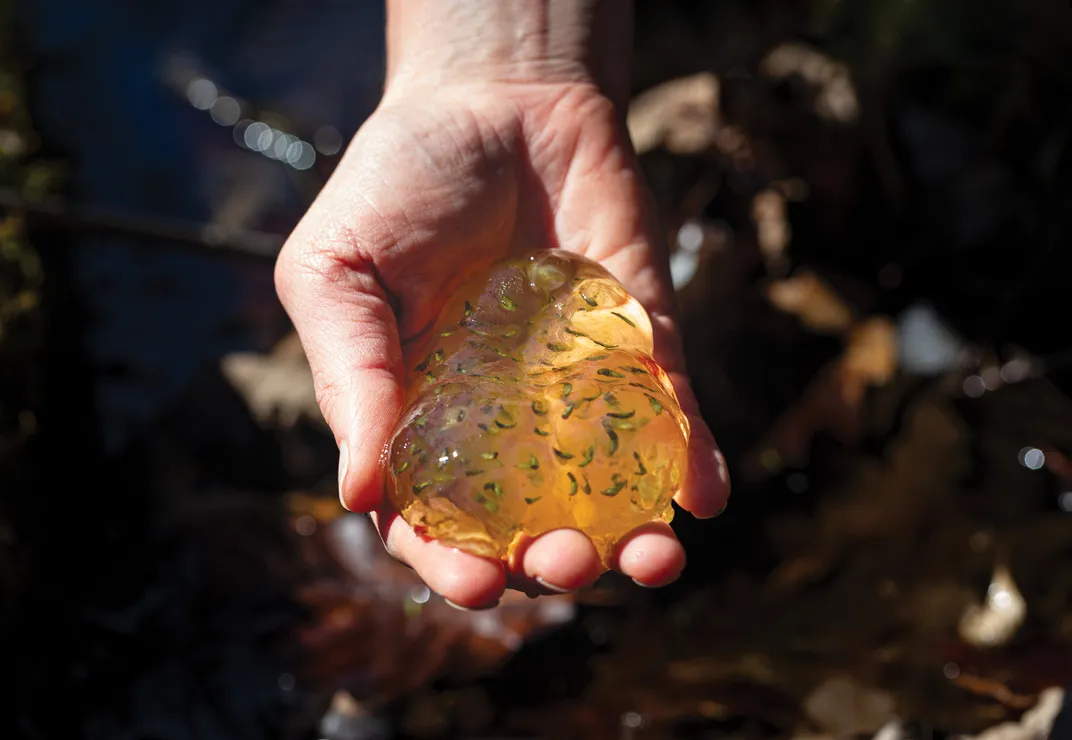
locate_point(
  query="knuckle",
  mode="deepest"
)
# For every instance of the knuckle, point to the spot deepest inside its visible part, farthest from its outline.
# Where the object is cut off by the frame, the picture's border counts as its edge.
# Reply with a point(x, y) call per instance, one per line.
point(282, 275)
point(308, 264)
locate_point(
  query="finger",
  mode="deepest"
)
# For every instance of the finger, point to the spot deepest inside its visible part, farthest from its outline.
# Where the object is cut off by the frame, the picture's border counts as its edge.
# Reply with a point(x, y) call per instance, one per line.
point(465, 580)
point(705, 492)
point(621, 231)
point(348, 330)
point(706, 489)
point(559, 561)
point(651, 555)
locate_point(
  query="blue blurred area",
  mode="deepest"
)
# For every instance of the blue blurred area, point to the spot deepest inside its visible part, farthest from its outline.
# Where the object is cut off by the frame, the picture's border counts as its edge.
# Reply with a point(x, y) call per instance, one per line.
point(109, 92)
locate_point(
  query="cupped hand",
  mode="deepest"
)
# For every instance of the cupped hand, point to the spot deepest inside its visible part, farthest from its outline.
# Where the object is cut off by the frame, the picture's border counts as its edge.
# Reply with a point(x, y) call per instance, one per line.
point(433, 184)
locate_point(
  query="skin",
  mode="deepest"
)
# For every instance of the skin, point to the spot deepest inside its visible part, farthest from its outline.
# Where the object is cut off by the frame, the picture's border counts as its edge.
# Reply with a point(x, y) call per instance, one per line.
point(501, 129)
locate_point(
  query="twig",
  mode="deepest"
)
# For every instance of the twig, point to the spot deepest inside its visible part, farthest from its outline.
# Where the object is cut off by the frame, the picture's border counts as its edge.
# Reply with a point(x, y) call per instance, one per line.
point(57, 213)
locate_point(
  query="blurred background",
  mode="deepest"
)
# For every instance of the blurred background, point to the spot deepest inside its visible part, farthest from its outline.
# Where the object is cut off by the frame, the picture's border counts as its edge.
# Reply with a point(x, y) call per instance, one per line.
point(869, 207)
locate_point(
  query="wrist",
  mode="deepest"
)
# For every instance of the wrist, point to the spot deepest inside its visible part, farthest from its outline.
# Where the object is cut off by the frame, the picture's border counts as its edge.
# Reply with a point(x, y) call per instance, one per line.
point(433, 44)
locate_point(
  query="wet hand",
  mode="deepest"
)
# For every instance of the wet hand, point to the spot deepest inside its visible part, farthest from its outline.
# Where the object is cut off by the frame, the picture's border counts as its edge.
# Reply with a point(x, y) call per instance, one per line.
point(438, 180)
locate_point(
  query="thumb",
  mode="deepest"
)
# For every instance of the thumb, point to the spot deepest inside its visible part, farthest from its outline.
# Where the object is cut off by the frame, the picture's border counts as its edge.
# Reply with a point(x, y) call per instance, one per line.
point(348, 330)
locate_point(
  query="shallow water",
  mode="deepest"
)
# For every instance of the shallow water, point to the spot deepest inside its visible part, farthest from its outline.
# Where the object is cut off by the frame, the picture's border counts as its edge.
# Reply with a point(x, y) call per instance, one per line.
point(110, 90)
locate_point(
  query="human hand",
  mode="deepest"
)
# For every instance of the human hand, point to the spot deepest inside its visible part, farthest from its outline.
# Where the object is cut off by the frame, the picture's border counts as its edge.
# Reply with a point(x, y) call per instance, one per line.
point(439, 179)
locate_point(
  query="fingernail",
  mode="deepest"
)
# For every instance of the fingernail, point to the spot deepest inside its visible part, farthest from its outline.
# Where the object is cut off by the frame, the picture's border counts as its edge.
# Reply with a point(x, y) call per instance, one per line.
point(461, 608)
point(712, 516)
point(667, 583)
point(344, 462)
point(661, 585)
point(723, 468)
point(551, 586)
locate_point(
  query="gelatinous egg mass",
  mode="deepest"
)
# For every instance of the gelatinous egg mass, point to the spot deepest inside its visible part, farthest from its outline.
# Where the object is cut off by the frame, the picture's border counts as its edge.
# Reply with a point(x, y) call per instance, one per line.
point(534, 404)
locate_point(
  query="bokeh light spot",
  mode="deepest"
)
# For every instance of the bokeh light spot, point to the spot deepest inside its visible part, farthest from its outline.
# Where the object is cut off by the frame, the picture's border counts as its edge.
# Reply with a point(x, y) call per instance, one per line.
point(1032, 458)
point(201, 93)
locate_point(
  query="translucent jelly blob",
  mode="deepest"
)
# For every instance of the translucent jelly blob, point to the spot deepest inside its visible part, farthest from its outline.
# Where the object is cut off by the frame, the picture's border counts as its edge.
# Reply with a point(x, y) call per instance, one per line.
point(534, 404)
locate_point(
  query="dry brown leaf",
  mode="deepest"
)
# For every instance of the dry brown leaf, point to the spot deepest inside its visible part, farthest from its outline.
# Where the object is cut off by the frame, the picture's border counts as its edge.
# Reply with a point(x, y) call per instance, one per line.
point(680, 115)
point(870, 357)
point(277, 387)
point(809, 298)
point(772, 226)
point(831, 403)
point(370, 612)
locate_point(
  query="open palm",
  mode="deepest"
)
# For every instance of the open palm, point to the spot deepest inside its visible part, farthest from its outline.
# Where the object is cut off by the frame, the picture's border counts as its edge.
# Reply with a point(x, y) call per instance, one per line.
point(429, 188)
